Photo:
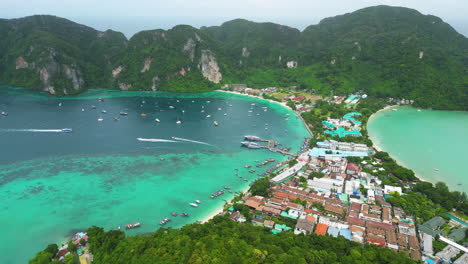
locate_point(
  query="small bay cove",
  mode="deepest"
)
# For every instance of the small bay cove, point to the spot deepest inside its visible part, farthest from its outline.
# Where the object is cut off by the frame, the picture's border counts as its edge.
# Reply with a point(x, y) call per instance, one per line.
point(431, 143)
point(53, 183)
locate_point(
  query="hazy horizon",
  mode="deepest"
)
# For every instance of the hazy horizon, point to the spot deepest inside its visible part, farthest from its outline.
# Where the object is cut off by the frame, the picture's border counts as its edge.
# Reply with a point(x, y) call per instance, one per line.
point(130, 18)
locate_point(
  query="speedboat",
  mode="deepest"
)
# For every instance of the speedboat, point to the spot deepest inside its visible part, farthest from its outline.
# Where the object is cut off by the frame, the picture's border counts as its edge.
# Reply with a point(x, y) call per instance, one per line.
point(178, 122)
point(197, 201)
point(215, 123)
point(4, 113)
point(60, 104)
point(171, 107)
point(184, 214)
point(100, 99)
point(123, 113)
point(93, 107)
point(225, 114)
point(103, 111)
point(394, 109)
point(174, 214)
point(208, 116)
point(157, 120)
point(82, 109)
point(67, 130)
point(116, 119)
point(100, 119)
point(193, 204)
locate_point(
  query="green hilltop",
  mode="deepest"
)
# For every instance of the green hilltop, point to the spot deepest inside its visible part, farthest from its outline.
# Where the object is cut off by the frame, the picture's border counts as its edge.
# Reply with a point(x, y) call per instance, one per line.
point(382, 50)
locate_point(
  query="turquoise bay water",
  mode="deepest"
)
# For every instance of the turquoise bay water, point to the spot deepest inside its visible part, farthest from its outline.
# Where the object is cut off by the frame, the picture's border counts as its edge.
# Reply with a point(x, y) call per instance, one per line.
point(52, 184)
point(432, 143)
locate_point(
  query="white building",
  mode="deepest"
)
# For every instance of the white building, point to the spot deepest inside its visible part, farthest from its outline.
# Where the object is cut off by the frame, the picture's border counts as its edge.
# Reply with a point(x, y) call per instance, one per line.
point(325, 185)
point(388, 189)
point(330, 222)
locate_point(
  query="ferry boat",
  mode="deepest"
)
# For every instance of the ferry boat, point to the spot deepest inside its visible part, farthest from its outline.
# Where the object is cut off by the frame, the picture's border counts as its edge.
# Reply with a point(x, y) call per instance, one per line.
point(193, 204)
point(184, 214)
point(67, 130)
point(251, 145)
point(252, 138)
point(215, 123)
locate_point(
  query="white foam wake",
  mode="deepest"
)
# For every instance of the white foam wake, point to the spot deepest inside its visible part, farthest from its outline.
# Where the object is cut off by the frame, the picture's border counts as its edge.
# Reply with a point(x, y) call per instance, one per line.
point(193, 141)
point(35, 130)
point(156, 140)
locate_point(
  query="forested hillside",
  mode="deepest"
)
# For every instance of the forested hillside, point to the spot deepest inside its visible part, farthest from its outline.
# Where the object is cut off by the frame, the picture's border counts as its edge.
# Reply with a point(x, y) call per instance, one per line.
point(224, 241)
point(385, 51)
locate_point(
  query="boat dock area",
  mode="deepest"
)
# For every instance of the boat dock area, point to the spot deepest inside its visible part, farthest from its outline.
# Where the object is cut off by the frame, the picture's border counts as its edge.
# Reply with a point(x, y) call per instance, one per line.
point(271, 145)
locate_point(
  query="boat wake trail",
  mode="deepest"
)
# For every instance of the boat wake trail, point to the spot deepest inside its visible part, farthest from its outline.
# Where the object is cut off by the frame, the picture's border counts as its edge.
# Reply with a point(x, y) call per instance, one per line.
point(192, 141)
point(34, 130)
point(156, 140)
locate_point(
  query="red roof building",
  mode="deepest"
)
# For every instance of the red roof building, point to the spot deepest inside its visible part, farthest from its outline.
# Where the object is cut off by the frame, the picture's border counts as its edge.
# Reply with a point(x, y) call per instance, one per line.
point(321, 229)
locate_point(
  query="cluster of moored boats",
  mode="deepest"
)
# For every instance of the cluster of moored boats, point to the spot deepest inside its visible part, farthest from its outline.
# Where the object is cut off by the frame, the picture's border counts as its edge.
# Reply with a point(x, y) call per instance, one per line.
point(217, 193)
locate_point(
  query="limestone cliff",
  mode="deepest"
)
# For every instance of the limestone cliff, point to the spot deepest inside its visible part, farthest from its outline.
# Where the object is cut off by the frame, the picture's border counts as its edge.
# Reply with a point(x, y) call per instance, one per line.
point(209, 66)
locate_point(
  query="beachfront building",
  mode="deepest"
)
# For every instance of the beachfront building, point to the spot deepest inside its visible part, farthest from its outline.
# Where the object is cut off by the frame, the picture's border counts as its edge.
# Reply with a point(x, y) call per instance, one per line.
point(288, 172)
point(347, 146)
point(328, 154)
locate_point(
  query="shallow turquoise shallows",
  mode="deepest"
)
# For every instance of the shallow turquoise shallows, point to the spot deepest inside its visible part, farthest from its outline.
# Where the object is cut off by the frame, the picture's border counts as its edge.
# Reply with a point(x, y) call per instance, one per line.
point(432, 143)
point(53, 183)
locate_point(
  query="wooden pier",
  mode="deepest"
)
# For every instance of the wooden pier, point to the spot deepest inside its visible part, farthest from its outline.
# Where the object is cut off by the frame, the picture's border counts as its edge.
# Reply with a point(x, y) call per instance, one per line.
point(278, 150)
point(271, 145)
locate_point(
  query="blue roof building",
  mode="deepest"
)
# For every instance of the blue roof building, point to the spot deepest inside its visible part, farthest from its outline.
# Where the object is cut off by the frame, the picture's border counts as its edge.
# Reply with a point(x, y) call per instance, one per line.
point(346, 233)
point(333, 231)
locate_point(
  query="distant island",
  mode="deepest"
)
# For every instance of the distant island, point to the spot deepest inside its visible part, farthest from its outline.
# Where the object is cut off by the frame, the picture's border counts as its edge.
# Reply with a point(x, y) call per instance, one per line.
point(382, 50)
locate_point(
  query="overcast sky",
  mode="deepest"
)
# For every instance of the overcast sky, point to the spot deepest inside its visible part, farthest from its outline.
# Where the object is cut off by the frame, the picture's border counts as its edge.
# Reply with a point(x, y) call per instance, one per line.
point(131, 16)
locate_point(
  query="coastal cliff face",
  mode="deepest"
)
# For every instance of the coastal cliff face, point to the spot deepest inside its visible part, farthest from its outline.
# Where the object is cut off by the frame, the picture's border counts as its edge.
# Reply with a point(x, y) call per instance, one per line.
point(56, 55)
point(385, 51)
